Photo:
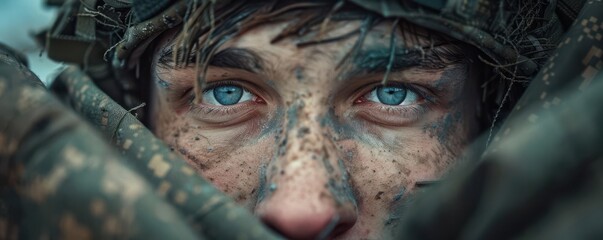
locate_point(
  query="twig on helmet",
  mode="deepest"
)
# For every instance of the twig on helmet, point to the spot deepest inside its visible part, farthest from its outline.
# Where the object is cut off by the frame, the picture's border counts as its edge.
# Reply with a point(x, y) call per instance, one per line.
point(106, 54)
point(504, 68)
point(94, 14)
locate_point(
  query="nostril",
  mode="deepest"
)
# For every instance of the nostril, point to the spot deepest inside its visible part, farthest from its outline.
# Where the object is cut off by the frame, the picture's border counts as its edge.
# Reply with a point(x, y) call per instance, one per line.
point(296, 224)
point(329, 228)
point(336, 226)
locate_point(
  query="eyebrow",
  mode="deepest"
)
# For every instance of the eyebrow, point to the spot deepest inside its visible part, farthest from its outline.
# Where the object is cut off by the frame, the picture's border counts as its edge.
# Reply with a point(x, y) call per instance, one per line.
point(370, 61)
point(367, 61)
point(237, 58)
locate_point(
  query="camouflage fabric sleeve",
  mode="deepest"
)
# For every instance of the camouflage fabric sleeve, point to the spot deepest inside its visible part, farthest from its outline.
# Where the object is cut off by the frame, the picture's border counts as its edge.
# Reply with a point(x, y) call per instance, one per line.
point(209, 211)
point(542, 176)
point(60, 180)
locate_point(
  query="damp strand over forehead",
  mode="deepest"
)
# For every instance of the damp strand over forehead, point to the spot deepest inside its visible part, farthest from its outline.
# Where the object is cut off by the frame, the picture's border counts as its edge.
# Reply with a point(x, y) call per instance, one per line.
point(323, 26)
point(367, 23)
point(392, 52)
point(302, 21)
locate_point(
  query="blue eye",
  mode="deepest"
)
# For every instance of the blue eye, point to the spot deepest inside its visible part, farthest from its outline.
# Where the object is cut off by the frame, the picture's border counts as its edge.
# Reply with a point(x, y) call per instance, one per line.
point(226, 95)
point(392, 95)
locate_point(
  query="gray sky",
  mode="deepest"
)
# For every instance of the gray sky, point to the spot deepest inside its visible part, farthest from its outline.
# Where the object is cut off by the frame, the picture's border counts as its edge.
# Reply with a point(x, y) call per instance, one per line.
point(18, 20)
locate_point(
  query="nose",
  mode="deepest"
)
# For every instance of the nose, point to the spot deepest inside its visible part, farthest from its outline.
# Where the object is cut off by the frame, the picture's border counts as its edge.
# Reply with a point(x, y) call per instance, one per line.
point(309, 196)
point(307, 203)
point(295, 221)
point(302, 208)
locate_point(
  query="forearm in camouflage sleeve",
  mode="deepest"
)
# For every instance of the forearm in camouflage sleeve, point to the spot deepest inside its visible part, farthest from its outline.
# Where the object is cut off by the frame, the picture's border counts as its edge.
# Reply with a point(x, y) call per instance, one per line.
point(60, 180)
point(207, 209)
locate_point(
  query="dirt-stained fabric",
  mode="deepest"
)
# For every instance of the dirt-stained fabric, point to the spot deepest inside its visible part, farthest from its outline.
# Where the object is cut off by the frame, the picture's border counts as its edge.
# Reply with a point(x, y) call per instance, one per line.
point(542, 175)
point(107, 177)
point(207, 210)
point(61, 179)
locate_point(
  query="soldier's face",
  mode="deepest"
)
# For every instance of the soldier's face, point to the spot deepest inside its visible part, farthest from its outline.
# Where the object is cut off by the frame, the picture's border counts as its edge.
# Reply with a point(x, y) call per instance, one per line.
point(317, 150)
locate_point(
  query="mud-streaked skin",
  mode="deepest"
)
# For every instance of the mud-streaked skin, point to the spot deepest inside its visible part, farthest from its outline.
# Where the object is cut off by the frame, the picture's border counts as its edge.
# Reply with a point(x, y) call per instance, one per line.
point(310, 154)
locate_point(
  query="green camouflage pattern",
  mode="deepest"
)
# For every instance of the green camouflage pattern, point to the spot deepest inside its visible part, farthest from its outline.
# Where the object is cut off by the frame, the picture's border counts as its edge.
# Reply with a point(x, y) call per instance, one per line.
point(202, 205)
point(542, 175)
point(61, 179)
point(102, 175)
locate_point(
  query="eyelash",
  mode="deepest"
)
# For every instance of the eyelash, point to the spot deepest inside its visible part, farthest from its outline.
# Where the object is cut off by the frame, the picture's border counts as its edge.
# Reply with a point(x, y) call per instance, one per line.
point(396, 113)
point(424, 93)
point(409, 113)
point(209, 110)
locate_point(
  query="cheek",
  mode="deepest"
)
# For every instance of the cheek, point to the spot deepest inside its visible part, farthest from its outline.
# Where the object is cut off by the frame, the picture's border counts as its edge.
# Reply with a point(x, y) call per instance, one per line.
point(382, 176)
point(231, 167)
point(386, 170)
point(453, 129)
point(236, 170)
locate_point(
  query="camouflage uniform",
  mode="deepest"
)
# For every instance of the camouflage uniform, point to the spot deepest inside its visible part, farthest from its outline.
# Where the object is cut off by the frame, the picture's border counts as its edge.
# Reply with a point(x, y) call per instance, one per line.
point(542, 176)
point(61, 179)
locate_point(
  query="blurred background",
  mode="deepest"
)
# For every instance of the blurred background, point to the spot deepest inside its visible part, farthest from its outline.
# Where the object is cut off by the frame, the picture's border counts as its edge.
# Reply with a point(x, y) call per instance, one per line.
point(19, 21)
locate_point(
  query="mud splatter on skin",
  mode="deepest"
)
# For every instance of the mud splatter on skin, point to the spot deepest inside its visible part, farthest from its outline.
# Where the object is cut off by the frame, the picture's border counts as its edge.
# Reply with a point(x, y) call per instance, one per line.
point(455, 81)
point(455, 119)
point(343, 130)
point(301, 132)
point(292, 118)
point(212, 164)
point(326, 161)
point(194, 160)
point(272, 126)
point(299, 73)
point(399, 195)
point(293, 113)
point(303, 142)
point(442, 128)
point(399, 204)
point(261, 193)
point(340, 187)
point(312, 147)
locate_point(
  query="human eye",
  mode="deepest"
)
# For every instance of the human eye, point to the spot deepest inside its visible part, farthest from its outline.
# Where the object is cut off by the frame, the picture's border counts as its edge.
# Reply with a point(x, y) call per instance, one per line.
point(392, 95)
point(226, 103)
point(226, 95)
point(395, 104)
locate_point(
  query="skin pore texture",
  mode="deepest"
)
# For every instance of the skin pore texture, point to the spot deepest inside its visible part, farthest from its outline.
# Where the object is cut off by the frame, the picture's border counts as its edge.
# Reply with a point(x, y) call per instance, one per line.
point(310, 148)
